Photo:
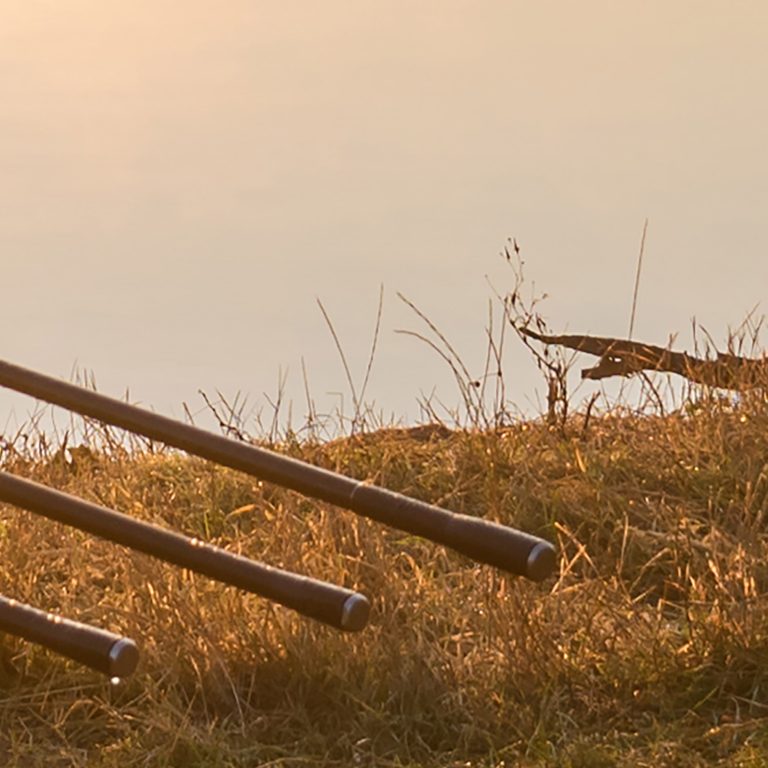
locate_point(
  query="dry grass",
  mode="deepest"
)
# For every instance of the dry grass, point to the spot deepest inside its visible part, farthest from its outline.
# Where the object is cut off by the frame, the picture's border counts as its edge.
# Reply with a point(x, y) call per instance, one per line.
point(649, 649)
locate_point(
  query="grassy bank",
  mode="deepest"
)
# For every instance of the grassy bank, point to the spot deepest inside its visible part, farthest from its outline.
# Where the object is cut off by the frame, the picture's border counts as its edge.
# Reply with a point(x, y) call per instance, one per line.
point(650, 647)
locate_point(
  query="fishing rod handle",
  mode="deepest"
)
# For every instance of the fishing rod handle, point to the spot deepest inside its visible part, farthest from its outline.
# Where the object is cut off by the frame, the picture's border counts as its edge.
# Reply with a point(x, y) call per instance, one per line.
point(482, 540)
point(104, 651)
point(341, 608)
point(486, 542)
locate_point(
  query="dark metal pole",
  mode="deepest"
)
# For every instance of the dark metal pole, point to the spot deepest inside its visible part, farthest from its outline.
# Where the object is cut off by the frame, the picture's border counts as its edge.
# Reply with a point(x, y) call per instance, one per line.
point(482, 540)
point(339, 607)
point(103, 651)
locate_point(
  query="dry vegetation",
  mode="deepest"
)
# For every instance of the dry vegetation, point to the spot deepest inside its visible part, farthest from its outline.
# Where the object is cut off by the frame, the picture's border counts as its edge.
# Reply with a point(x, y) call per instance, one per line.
point(650, 648)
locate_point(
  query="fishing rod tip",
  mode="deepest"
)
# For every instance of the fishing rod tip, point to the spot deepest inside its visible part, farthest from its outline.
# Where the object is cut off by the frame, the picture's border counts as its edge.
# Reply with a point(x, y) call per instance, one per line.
point(541, 561)
point(355, 612)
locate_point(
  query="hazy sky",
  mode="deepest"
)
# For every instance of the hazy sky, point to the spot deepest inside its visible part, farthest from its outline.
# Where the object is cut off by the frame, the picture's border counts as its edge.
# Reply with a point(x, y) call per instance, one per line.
point(180, 181)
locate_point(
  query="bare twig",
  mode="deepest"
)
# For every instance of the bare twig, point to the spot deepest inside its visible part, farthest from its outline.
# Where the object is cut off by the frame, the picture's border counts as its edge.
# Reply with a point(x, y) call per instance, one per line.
point(637, 279)
point(623, 357)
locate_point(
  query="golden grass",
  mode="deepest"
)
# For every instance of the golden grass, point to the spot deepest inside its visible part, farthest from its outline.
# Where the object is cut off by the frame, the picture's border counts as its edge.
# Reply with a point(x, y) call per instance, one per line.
point(650, 648)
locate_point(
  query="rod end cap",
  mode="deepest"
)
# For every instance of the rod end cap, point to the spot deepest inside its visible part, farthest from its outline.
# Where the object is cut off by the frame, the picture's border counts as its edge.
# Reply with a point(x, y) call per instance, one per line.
point(355, 612)
point(541, 561)
point(123, 657)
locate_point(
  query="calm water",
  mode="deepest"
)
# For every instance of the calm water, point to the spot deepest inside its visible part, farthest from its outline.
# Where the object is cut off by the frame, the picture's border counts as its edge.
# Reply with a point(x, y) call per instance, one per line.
point(177, 188)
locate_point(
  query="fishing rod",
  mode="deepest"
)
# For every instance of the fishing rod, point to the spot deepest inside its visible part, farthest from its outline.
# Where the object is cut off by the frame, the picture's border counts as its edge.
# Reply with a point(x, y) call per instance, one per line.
point(482, 540)
point(106, 652)
point(331, 604)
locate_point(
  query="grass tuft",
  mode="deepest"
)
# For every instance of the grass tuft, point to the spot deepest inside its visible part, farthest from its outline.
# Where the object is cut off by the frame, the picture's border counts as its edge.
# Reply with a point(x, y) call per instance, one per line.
point(650, 647)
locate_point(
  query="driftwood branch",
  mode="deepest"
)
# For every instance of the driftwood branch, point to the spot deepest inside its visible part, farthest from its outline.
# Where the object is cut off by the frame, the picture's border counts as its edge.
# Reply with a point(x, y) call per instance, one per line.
point(621, 357)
